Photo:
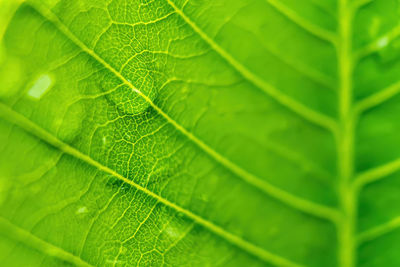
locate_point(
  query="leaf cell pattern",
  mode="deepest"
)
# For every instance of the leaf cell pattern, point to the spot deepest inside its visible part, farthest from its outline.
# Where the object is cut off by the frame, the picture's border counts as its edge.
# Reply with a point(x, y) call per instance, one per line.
point(204, 133)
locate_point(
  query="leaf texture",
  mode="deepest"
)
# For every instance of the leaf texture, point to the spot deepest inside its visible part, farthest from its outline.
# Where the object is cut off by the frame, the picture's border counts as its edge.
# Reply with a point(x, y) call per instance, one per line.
point(204, 133)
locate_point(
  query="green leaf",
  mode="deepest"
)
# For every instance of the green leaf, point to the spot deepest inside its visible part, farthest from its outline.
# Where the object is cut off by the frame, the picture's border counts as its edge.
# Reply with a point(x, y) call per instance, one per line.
point(204, 133)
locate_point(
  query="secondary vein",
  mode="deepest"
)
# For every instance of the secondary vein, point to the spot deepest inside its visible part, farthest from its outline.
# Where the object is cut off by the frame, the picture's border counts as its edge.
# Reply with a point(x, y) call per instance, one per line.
point(315, 30)
point(293, 201)
point(375, 45)
point(47, 137)
point(376, 174)
point(23, 236)
point(307, 113)
point(378, 98)
point(378, 231)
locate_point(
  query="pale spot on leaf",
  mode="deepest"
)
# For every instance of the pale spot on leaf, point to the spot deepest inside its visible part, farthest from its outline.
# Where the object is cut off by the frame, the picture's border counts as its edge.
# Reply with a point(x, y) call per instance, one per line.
point(383, 42)
point(172, 232)
point(82, 210)
point(41, 86)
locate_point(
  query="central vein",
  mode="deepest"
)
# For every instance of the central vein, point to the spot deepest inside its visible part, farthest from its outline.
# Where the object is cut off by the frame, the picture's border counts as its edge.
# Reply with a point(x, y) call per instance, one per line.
point(345, 140)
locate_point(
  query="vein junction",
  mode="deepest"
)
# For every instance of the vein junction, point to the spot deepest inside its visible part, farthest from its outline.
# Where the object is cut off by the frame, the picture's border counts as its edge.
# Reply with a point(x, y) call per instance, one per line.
point(304, 205)
point(253, 249)
point(344, 131)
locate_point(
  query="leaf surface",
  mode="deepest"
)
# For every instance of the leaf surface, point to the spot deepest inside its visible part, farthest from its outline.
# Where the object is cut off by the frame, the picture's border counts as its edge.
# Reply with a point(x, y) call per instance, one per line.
point(230, 133)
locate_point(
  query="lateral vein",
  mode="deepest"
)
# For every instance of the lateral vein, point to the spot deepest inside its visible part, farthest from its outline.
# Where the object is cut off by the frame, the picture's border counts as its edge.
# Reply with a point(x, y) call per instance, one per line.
point(293, 201)
point(23, 236)
point(311, 73)
point(378, 98)
point(379, 231)
point(307, 113)
point(377, 173)
point(18, 119)
point(357, 4)
point(315, 30)
point(377, 44)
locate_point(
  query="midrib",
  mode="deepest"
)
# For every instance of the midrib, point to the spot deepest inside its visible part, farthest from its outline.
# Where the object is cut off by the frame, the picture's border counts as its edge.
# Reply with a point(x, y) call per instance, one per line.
point(345, 140)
